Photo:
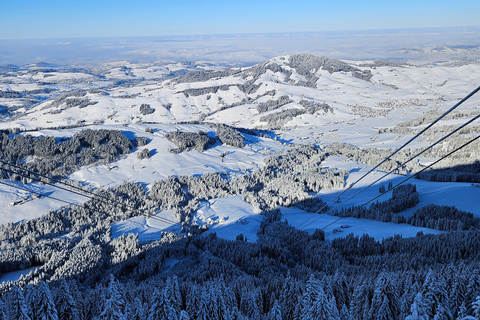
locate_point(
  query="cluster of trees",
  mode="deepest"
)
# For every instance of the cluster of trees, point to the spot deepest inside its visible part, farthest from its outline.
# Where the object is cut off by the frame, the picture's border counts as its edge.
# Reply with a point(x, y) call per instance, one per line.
point(228, 135)
point(433, 114)
point(457, 173)
point(273, 104)
point(314, 106)
point(146, 109)
point(308, 65)
point(367, 112)
point(277, 120)
point(249, 87)
point(205, 75)
point(204, 91)
point(60, 158)
point(373, 156)
point(184, 140)
point(445, 218)
point(285, 180)
point(260, 69)
point(403, 197)
point(11, 94)
point(286, 274)
point(144, 154)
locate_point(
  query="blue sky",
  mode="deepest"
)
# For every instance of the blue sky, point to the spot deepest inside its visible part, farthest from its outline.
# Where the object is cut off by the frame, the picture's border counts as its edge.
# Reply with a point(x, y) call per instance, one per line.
point(23, 19)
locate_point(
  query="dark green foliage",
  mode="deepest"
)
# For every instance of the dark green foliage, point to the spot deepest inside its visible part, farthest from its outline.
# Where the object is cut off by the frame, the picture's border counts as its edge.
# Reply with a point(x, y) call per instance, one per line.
point(229, 135)
point(307, 65)
point(273, 104)
point(445, 218)
point(146, 109)
point(458, 173)
point(60, 158)
point(403, 197)
point(144, 154)
point(184, 140)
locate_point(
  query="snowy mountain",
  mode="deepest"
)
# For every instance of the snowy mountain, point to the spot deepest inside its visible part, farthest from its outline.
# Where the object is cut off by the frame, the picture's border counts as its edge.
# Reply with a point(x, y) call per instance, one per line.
point(183, 160)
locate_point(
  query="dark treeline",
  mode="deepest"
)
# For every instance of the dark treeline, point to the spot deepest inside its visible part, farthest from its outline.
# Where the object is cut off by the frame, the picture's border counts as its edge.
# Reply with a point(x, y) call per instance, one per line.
point(184, 140)
point(286, 274)
point(458, 173)
point(445, 218)
point(403, 197)
point(58, 158)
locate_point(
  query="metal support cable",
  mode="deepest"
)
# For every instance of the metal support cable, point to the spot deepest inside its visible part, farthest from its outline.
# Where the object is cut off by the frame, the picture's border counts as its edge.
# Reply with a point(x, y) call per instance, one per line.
point(65, 201)
point(398, 167)
point(404, 145)
point(401, 182)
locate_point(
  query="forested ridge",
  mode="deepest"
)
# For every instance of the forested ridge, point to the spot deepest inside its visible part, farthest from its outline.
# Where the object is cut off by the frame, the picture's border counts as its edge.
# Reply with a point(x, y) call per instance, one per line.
point(286, 274)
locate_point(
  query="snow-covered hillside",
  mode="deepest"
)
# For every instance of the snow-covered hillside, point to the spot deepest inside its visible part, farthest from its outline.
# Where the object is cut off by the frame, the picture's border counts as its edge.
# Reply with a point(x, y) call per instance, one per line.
point(198, 184)
point(299, 99)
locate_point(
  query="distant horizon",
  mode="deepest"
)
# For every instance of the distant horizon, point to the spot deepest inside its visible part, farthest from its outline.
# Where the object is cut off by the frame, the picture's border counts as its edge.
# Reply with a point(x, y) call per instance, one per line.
point(242, 49)
point(248, 33)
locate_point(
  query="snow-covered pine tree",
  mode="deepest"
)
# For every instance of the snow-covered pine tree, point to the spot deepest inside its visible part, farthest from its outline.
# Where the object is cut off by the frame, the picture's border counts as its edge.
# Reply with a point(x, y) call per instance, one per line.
point(30, 300)
point(17, 308)
point(417, 309)
point(361, 300)
point(114, 308)
point(289, 297)
point(476, 308)
point(66, 306)
point(45, 307)
point(3, 315)
point(184, 315)
point(276, 312)
point(385, 301)
point(160, 307)
point(309, 295)
point(323, 308)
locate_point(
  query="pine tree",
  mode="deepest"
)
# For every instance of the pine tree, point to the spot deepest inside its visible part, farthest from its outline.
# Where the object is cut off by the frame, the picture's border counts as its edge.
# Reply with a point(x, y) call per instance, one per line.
point(344, 313)
point(114, 307)
point(458, 293)
point(309, 296)
point(17, 308)
point(248, 305)
point(385, 300)
point(323, 308)
point(3, 316)
point(160, 307)
point(289, 298)
point(139, 312)
point(30, 300)
point(193, 301)
point(360, 304)
point(442, 313)
point(417, 310)
point(276, 312)
point(476, 308)
point(78, 299)
point(435, 294)
point(66, 306)
point(184, 315)
point(45, 307)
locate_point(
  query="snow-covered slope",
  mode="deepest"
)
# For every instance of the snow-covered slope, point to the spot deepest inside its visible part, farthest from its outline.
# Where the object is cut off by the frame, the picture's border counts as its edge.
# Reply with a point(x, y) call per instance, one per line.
point(295, 99)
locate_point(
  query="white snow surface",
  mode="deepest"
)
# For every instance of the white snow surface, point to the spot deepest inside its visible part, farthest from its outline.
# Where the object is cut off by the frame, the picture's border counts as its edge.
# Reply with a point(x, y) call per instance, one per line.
point(396, 93)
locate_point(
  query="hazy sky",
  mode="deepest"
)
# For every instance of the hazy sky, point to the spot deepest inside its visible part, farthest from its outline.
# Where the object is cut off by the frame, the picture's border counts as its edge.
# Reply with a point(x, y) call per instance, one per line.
point(33, 19)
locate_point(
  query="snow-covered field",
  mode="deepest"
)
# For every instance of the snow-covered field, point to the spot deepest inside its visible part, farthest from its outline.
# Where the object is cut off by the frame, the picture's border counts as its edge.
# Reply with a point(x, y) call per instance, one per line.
point(394, 93)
